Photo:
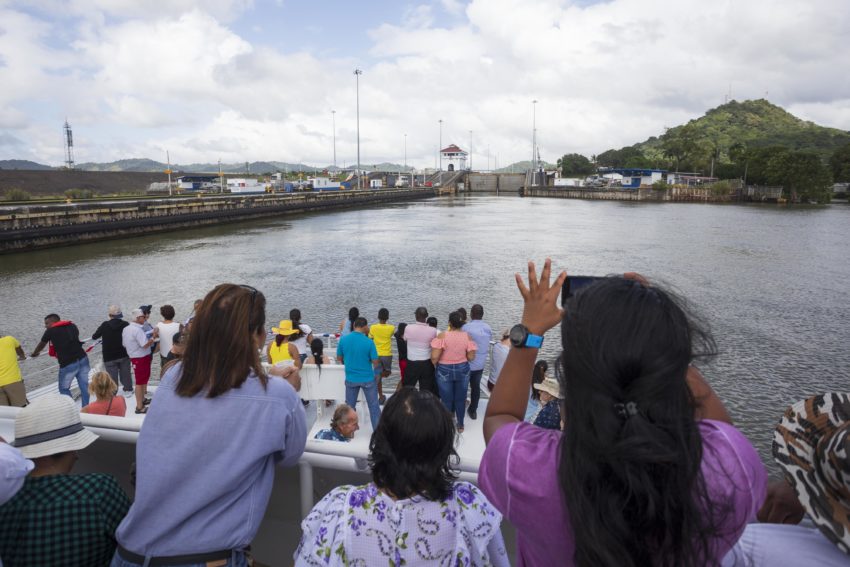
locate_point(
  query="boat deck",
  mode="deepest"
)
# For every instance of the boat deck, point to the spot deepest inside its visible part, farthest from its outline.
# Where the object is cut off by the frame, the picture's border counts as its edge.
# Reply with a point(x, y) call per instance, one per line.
point(324, 465)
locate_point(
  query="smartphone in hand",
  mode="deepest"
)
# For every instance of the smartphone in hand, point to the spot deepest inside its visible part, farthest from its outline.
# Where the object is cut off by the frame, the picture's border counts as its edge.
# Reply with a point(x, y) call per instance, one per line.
point(573, 284)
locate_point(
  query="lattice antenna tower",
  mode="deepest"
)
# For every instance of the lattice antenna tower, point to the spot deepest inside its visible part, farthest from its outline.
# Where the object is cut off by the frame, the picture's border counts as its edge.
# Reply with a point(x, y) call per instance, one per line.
point(69, 146)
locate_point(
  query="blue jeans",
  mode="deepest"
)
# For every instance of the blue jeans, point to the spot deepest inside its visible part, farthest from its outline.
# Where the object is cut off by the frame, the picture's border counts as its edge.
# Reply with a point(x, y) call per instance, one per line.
point(238, 559)
point(370, 392)
point(80, 370)
point(452, 382)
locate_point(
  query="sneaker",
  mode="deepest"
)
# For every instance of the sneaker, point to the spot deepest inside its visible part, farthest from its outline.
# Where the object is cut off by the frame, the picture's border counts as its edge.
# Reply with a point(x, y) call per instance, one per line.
point(127, 393)
point(472, 414)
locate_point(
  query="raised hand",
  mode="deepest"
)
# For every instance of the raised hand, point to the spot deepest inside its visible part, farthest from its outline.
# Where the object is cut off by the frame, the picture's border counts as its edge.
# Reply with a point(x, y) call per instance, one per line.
point(541, 312)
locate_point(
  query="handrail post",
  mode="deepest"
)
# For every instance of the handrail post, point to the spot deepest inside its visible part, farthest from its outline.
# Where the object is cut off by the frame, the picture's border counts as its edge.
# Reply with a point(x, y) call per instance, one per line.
point(305, 471)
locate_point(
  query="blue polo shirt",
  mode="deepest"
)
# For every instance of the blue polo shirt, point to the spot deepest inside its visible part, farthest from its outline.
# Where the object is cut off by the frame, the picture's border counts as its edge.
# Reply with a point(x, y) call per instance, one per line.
point(357, 352)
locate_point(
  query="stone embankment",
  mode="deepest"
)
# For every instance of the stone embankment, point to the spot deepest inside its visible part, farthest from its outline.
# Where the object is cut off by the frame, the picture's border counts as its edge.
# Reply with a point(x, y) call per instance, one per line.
point(670, 194)
point(33, 227)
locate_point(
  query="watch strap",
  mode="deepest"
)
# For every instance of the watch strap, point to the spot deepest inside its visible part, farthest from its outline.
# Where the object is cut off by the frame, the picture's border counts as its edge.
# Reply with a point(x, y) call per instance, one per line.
point(533, 341)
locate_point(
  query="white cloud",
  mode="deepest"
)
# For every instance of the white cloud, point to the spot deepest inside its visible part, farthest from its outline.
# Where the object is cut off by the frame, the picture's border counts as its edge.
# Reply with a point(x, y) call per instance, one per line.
point(605, 75)
point(418, 16)
point(453, 7)
point(225, 10)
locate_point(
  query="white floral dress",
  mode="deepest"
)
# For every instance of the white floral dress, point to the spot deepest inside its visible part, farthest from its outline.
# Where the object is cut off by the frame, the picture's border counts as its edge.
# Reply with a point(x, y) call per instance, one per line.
point(362, 526)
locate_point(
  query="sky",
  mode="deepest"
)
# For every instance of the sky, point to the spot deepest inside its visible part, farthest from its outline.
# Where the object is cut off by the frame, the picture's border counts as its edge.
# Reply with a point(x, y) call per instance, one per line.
point(243, 80)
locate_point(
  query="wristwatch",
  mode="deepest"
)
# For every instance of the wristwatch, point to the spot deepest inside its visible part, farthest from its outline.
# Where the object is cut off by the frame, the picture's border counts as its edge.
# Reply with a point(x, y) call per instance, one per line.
point(522, 338)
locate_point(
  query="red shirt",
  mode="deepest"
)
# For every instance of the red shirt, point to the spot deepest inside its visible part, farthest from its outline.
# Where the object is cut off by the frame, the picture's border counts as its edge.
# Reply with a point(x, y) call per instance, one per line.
point(119, 407)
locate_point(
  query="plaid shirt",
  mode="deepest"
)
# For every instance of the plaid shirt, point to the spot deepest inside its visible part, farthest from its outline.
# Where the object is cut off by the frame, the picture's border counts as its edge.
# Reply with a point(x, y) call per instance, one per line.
point(62, 520)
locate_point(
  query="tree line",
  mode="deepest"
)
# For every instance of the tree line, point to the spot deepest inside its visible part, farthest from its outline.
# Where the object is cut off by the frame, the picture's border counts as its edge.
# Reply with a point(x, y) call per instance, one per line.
point(805, 175)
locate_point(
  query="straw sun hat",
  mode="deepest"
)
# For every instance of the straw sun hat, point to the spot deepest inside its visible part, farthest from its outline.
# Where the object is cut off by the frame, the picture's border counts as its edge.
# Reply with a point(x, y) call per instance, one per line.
point(50, 425)
point(285, 328)
point(550, 386)
point(812, 446)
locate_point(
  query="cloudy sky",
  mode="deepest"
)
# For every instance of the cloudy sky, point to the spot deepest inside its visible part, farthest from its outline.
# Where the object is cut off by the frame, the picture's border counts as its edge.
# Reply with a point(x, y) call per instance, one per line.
point(241, 80)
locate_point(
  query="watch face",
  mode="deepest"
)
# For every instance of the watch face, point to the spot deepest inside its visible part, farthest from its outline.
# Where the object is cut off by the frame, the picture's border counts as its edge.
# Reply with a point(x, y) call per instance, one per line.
point(517, 335)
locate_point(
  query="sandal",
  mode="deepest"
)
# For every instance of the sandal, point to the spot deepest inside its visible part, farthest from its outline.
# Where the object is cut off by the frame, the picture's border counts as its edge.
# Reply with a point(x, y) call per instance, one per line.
point(147, 402)
point(143, 410)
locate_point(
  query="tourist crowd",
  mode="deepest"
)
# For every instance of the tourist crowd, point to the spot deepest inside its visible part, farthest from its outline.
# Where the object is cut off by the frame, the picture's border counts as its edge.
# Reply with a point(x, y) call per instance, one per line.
point(624, 455)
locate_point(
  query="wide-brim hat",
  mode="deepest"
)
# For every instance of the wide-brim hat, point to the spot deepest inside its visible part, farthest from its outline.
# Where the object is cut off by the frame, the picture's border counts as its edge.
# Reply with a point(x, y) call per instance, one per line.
point(285, 328)
point(50, 425)
point(550, 386)
point(812, 446)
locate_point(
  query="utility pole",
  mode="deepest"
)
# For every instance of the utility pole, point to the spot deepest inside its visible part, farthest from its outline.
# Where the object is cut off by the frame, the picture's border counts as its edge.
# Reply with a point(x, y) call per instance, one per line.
point(405, 152)
point(440, 151)
point(470, 150)
point(333, 118)
point(220, 177)
point(357, 73)
point(168, 171)
point(534, 143)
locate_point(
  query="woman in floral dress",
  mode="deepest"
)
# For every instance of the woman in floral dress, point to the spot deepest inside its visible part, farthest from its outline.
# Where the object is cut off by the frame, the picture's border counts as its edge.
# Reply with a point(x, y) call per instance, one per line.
point(414, 512)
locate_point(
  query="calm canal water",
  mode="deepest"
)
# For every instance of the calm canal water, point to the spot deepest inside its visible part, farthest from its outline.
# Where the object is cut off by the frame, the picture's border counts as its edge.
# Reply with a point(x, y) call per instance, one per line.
point(771, 281)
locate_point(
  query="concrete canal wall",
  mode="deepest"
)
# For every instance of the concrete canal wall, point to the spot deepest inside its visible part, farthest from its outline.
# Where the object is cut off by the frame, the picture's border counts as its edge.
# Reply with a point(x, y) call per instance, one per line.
point(46, 226)
point(673, 194)
point(495, 182)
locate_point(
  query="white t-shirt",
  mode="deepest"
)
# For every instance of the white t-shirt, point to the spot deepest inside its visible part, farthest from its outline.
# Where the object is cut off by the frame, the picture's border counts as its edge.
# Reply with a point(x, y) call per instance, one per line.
point(166, 334)
point(500, 355)
point(301, 342)
point(769, 545)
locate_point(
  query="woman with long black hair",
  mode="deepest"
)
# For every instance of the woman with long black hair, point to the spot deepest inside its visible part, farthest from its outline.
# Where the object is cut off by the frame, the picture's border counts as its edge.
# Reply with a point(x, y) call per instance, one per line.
point(649, 469)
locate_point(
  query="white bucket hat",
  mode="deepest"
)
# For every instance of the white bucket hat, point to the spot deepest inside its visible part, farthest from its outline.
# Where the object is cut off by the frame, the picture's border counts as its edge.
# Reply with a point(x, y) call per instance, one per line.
point(50, 425)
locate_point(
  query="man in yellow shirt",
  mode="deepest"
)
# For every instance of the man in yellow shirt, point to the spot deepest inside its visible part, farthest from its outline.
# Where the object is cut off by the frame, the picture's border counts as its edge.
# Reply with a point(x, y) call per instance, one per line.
point(12, 391)
point(382, 334)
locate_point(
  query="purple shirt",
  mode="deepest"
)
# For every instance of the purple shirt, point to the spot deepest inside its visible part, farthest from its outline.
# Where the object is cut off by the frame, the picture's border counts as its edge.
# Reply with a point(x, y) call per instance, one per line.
point(518, 475)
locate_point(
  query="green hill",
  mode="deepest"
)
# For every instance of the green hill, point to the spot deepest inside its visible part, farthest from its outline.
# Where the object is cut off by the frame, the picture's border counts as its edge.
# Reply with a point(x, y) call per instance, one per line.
point(523, 166)
point(723, 130)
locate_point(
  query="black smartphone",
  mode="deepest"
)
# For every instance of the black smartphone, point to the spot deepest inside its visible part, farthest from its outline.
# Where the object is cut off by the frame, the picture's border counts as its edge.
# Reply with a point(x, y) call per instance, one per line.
point(573, 284)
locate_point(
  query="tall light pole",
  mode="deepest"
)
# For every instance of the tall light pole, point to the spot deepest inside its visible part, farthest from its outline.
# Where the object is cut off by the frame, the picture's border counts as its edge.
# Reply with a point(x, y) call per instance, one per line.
point(534, 142)
point(333, 118)
point(357, 73)
point(470, 151)
point(440, 151)
point(405, 153)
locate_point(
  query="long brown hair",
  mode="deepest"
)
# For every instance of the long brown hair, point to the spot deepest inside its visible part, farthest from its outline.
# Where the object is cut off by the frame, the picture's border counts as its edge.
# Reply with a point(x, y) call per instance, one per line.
point(221, 349)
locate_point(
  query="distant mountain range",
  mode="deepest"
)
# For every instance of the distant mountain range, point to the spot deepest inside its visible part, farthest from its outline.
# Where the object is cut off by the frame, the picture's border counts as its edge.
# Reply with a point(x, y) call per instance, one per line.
point(751, 123)
point(148, 166)
point(22, 164)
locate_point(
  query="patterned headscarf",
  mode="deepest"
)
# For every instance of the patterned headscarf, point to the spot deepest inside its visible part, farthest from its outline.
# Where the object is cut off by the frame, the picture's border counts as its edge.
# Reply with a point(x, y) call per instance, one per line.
point(812, 446)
